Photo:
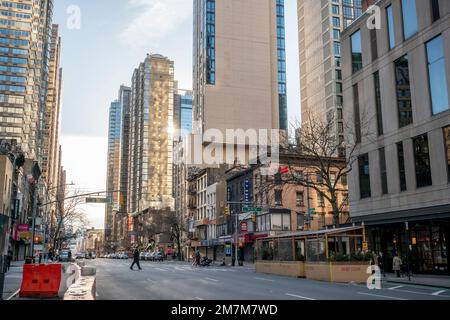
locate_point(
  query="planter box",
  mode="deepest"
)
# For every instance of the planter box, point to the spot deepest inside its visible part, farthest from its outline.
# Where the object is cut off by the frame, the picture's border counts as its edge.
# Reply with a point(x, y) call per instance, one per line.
point(282, 268)
point(337, 271)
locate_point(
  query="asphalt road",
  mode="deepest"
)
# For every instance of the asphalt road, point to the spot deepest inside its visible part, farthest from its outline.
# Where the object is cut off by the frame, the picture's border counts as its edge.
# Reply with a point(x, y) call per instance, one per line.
point(181, 281)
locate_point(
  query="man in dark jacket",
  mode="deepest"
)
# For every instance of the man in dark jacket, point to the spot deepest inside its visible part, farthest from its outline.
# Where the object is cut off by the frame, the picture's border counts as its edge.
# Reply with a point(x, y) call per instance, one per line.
point(135, 259)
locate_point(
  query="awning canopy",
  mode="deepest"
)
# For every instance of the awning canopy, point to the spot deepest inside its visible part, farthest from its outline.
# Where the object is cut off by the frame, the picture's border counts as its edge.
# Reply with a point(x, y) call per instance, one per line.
point(311, 234)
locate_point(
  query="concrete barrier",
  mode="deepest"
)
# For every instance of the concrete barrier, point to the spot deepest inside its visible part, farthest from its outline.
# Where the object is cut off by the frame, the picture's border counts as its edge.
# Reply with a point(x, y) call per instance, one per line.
point(70, 273)
point(84, 290)
point(88, 271)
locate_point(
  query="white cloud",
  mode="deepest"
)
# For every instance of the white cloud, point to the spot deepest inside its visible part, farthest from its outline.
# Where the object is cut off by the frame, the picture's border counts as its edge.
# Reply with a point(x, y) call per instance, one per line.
point(155, 21)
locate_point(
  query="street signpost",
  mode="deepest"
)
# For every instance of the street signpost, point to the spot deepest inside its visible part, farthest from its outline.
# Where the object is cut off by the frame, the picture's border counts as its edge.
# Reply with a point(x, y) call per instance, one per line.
point(106, 200)
point(250, 209)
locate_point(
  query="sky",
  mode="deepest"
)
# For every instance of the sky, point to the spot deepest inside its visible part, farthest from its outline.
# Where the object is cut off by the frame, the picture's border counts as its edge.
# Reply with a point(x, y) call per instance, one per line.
point(101, 46)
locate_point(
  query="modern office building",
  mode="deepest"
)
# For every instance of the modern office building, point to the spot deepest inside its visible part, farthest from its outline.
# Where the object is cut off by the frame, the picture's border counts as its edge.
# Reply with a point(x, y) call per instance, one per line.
point(239, 79)
point(113, 169)
point(182, 113)
point(121, 225)
point(50, 150)
point(25, 35)
point(320, 24)
point(399, 76)
point(151, 135)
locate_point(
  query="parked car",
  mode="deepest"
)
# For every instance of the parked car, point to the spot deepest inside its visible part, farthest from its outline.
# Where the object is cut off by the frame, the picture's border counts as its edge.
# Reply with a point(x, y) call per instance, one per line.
point(148, 256)
point(158, 256)
point(64, 256)
point(79, 256)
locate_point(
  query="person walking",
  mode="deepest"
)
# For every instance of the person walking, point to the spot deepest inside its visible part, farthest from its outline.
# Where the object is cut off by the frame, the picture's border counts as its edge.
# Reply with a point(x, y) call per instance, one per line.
point(9, 258)
point(135, 259)
point(197, 257)
point(397, 265)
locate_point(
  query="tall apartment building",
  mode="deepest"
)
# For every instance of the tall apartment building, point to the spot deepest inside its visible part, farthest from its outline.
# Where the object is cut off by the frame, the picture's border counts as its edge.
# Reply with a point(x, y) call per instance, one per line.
point(113, 169)
point(399, 76)
point(151, 136)
point(182, 113)
point(320, 24)
point(50, 150)
point(239, 59)
point(121, 227)
point(25, 29)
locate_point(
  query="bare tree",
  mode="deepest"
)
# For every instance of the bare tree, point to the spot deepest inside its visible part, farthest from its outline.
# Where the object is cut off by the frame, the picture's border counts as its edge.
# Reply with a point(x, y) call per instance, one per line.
point(68, 215)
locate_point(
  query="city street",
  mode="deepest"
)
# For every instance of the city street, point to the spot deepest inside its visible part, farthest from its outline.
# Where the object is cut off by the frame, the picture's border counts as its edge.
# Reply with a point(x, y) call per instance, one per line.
point(181, 281)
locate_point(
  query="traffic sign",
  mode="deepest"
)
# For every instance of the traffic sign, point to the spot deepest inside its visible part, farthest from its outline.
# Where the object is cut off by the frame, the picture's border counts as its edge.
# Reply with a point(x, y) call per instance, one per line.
point(107, 200)
point(250, 209)
point(312, 211)
point(244, 226)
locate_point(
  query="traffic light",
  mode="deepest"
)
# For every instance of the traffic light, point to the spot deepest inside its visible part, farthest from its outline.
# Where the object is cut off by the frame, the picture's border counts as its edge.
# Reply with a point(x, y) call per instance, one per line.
point(227, 210)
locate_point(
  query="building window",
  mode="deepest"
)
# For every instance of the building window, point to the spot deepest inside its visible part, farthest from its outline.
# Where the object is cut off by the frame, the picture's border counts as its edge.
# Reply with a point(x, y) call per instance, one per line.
point(364, 176)
point(320, 199)
point(447, 148)
point(401, 166)
point(210, 42)
point(356, 51)
point(278, 197)
point(345, 199)
point(356, 114)
point(437, 75)
point(300, 199)
point(378, 105)
point(383, 171)
point(344, 181)
point(390, 26)
point(409, 18)
point(403, 88)
point(300, 221)
point(374, 44)
point(422, 161)
point(435, 12)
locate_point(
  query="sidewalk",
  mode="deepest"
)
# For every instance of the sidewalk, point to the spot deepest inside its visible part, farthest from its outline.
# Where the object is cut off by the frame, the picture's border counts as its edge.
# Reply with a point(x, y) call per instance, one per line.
point(13, 279)
point(422, 280)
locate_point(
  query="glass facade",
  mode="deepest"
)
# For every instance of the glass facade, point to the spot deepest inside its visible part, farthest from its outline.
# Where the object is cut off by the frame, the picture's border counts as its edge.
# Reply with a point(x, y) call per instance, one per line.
point(390, 26)
point(410, 26)
point(378, 105)
point(281, 47)
point(401, 166)
point(447, 148)
point(422, 161)
point(364, 176)
point(357, 63)
point(437, 75)
point(210, 41)
point(404, 102)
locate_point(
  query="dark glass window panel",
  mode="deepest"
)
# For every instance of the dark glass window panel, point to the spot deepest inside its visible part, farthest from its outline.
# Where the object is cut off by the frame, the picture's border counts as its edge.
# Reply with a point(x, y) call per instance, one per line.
point(356, 114)
point(435, 12)
point(364, 176)
point(422, 161)
point(404, 102)
point(383, 172)
point(447, 148)
point(378, 105)
point(374, 44)
point(401, 166)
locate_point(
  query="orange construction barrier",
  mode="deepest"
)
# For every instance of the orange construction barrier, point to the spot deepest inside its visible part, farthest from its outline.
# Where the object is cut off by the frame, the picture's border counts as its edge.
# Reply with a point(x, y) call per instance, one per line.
point(40, 281)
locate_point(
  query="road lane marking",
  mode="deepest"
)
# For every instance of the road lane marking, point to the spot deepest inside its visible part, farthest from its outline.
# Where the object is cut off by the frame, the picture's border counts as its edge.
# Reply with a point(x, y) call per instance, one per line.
point(197, 298)
point(150, 280)
point(300, 297)
point(397, 287)
point(160, 269)
point(13, 295)
point(380, 296)
point(214, 280)
point(438, 292)
point(264, 279)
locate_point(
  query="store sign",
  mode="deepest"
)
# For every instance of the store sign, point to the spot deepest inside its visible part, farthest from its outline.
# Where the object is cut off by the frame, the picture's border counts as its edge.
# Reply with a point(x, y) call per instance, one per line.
point(228, 250)
point(247, 191)
point(244, 226)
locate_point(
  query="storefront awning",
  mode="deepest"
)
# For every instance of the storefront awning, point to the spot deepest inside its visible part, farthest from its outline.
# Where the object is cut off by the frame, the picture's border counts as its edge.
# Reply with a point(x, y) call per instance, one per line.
point(437, 212)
